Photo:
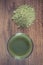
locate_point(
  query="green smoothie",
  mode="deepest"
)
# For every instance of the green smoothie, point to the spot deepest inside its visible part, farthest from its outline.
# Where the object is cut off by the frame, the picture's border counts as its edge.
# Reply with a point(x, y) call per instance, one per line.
point(20, 46)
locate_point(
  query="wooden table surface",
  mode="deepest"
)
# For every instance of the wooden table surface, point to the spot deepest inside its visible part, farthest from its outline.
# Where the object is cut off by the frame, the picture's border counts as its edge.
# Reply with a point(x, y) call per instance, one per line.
point(8, 28)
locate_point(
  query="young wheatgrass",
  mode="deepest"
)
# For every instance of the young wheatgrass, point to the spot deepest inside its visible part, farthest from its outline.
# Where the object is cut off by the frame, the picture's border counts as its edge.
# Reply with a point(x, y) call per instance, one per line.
point(24, 16)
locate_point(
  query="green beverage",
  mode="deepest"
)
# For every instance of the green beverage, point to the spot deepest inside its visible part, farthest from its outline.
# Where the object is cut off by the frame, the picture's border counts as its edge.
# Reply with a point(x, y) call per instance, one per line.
point(20, 46)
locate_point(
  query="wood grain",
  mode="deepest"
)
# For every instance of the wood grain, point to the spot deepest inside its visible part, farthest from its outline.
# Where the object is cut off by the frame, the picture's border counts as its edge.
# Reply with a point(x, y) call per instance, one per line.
point(8, 28)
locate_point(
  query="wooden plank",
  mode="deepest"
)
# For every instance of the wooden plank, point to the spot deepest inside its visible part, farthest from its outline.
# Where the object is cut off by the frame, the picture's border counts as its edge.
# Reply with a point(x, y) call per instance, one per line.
point(8, 28)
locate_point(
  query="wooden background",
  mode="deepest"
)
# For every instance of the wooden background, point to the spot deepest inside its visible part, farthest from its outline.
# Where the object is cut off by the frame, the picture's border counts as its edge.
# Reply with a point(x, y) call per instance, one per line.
point(8, 28)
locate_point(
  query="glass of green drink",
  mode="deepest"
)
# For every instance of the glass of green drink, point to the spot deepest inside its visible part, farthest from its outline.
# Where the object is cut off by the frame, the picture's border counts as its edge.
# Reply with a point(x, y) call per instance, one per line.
point(20, 46)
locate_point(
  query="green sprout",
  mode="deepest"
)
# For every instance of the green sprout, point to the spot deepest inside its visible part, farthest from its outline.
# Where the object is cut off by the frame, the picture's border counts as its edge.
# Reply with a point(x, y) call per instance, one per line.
point(24, 16)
